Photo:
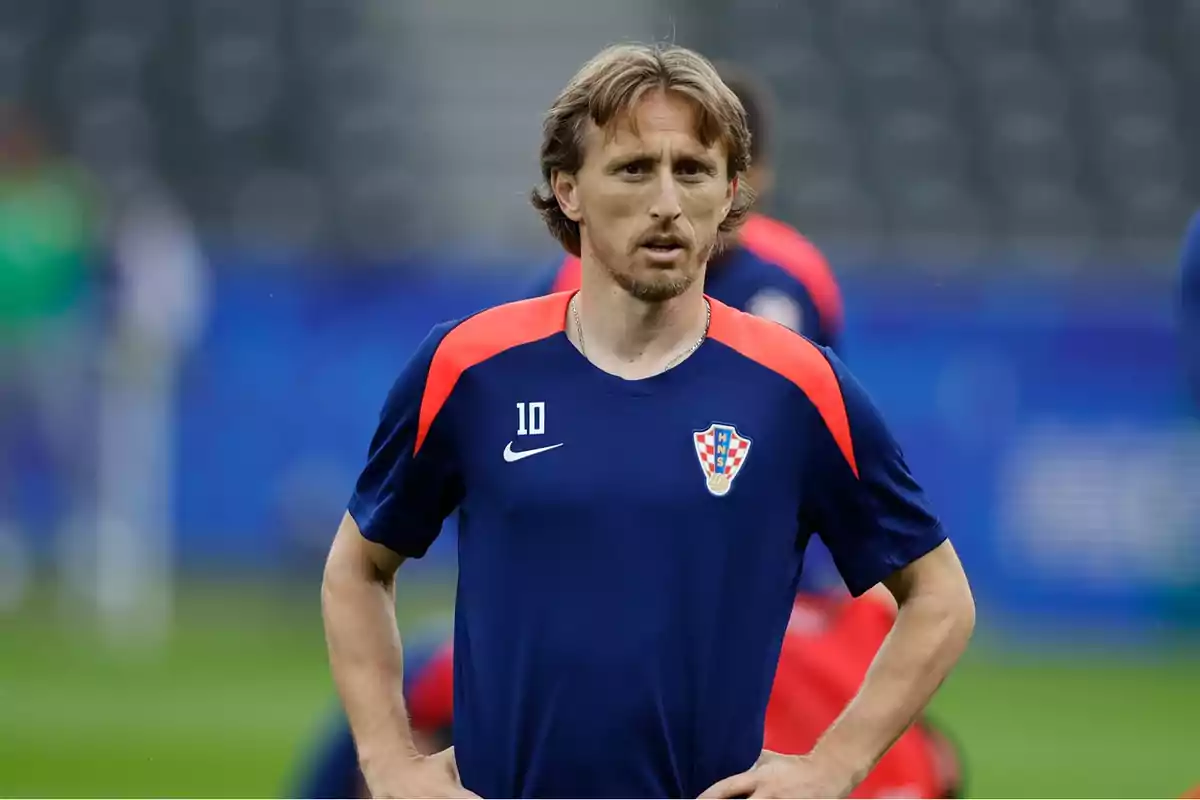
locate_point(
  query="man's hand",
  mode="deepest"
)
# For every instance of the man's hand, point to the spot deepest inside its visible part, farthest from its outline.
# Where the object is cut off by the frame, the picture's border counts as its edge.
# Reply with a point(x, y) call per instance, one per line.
point(417, 776)
point(778, 775)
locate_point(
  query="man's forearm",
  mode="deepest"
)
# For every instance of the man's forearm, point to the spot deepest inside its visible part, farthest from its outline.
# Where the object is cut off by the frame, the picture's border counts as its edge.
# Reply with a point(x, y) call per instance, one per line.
point(928, 637)
point(366, 658)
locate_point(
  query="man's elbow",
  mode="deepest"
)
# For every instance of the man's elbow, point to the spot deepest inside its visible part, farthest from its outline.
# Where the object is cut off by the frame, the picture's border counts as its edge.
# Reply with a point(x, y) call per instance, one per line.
point(354, 562)
point(957, 604)
point(939, 585)
point(965, 615)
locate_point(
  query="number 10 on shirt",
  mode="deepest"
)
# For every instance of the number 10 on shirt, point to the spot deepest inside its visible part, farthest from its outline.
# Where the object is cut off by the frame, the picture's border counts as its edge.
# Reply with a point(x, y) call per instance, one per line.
point(535, 415)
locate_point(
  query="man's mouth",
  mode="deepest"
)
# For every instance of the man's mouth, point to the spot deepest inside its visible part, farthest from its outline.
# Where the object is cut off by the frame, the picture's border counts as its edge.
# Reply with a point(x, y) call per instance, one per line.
point(665, 245)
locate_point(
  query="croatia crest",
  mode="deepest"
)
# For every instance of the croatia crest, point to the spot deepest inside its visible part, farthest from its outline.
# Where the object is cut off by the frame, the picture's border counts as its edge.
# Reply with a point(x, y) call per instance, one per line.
point(722, 452)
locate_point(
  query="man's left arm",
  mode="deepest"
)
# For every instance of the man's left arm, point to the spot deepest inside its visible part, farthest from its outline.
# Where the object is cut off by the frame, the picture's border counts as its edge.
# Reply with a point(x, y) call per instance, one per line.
point(881, 529)
point(935, 620)
point(878, 525)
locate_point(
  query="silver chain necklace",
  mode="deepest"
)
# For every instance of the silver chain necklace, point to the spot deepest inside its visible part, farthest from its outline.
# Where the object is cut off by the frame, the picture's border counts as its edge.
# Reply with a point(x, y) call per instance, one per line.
point(673, 361)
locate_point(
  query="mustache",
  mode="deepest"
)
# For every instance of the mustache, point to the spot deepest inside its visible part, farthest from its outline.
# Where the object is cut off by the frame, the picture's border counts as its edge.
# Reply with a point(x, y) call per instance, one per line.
point(664, 239)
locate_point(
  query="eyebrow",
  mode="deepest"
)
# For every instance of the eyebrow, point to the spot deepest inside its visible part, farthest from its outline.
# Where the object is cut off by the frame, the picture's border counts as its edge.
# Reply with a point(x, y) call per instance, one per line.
point(701, 156)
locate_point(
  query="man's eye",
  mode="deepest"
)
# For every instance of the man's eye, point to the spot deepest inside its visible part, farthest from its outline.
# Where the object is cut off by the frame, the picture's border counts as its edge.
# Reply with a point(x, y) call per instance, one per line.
point(634, 168)
point(692, 169)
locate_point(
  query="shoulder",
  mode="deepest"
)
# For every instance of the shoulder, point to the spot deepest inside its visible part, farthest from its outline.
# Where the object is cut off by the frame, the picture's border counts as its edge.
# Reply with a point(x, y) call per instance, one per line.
point(454, 348)
point(810, 367)
point(773, 346)
point(786, 249)
point(488, 333)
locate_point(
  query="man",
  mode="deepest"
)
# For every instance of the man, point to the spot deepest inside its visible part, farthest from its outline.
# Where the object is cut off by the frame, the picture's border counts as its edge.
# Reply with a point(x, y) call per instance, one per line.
point(768, 269)
point(583, 519)
point(48, 307)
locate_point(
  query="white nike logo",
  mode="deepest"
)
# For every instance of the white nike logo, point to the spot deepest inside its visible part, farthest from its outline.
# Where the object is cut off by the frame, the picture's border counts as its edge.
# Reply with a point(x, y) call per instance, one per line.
point(511, 455)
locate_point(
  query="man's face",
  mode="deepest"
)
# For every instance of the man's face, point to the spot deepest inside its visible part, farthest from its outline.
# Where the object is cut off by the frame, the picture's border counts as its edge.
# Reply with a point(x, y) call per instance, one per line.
point(650, 197)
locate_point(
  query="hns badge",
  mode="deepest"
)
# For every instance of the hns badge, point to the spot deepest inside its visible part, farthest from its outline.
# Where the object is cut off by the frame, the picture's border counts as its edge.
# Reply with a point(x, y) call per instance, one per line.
point(722, 452)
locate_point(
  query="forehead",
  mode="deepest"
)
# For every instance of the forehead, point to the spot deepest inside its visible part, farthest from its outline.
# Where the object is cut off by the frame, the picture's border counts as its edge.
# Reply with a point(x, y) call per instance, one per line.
point(657, 115)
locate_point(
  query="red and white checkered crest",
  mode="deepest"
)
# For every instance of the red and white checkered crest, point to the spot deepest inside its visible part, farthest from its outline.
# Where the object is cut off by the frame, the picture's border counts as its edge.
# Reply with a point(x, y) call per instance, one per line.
point(722, 452)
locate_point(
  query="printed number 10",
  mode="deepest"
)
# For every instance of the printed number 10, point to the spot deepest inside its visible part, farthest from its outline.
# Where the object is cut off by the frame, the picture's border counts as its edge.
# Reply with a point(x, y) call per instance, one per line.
point(536, 417)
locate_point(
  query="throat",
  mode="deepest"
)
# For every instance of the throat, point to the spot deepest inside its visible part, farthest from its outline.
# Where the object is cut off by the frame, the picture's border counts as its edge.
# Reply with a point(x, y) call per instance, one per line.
point(639, 345)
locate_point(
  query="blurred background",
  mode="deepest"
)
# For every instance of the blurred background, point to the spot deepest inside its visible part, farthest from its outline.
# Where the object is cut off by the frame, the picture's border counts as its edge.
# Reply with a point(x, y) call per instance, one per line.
point(224, 225)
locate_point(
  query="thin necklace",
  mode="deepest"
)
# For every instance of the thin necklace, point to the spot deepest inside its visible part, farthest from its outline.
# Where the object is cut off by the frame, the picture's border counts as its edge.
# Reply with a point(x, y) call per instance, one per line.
point(673, 361)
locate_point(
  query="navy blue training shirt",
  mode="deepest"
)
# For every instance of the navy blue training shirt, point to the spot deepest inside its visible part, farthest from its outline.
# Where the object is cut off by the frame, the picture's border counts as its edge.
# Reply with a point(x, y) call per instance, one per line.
point(772, 271)
point(628, 550)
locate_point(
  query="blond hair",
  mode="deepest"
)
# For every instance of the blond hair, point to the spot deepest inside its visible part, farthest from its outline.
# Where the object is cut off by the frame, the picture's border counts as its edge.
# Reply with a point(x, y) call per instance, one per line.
point(608, 87)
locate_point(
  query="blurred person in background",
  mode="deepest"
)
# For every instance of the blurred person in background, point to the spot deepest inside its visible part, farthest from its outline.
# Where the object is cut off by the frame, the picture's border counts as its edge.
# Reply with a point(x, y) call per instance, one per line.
point(48, 302)
point(771, 270)
point(1189, 277)
point(159, 309)
point(1189, 282)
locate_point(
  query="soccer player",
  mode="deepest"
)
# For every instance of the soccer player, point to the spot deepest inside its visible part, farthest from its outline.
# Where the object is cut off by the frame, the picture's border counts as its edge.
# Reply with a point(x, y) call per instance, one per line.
point(768, 269)
point(637, 469)
point(1189, 273)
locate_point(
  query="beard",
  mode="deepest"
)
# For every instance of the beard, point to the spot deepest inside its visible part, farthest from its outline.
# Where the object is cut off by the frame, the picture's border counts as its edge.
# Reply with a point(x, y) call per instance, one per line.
point(658, 285)
point(654, 288)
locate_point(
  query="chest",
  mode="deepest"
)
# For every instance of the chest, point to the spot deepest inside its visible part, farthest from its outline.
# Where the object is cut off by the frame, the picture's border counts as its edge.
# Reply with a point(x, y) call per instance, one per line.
point(547, 445)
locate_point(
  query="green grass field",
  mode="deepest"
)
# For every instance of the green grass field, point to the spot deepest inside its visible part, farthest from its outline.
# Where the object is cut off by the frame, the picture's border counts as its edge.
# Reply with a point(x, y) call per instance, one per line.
point(244, 684)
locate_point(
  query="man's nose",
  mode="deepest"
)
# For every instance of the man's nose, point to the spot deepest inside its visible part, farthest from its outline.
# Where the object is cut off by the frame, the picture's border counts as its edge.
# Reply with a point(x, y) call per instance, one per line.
point(666, 204)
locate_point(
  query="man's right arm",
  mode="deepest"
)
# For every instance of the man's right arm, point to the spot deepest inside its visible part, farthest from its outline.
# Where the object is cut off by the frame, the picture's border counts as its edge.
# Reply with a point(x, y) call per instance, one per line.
point(358, 599)
point(407, 488)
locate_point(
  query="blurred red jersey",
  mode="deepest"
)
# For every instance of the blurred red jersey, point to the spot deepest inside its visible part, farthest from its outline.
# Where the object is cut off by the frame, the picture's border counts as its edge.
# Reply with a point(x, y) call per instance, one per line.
point(829, 646)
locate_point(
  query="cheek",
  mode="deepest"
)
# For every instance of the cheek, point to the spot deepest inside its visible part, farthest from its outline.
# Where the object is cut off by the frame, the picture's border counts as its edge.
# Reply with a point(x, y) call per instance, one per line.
point(705, 205)
point(614, 208)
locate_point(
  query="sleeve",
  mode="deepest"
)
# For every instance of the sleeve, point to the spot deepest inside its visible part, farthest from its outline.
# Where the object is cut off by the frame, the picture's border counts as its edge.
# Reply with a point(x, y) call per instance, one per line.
point(403, 495)
point(878, 520)
point(1189, 269)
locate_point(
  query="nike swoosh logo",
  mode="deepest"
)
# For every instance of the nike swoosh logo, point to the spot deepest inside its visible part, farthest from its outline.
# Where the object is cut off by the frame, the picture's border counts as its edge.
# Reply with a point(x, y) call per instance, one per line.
point(511, 455)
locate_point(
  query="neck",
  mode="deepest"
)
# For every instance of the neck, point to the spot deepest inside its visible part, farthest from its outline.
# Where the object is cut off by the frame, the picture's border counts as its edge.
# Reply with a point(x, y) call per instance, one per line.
point(633, 337)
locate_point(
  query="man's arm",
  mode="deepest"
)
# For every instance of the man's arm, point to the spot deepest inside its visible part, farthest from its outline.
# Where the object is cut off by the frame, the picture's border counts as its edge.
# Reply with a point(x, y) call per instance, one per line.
point(358, 597)
point(407, 488)
point(879, 526)
point(933, 626)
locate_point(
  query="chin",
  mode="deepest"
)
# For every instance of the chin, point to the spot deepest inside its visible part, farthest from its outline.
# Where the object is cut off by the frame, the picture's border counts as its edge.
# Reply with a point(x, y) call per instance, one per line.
point(660, 287)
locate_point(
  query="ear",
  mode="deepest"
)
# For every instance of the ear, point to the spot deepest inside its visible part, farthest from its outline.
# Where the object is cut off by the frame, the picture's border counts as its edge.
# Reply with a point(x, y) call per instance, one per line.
point(566, 191)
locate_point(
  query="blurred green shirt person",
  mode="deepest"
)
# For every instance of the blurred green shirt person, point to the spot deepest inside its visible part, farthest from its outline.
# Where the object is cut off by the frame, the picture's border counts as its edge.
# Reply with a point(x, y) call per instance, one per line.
point(43, 231)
